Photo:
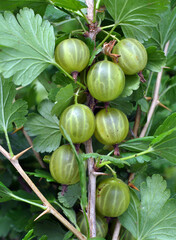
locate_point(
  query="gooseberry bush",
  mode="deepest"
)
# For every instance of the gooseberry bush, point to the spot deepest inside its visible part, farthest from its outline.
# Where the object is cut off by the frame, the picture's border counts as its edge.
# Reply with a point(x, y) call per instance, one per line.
point(87, 119)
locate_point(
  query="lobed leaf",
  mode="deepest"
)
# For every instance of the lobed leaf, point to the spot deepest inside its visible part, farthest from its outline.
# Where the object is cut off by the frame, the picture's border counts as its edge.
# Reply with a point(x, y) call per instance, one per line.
point(36, 40)
point(137, 144)
point(154, 216)
point(136, 18)
point(64, 98)
point(122, 104)
point(131, 83)
point(10, 112)
point(38, 6)
point(73, 5)
point(45, 127)
point(156, 59)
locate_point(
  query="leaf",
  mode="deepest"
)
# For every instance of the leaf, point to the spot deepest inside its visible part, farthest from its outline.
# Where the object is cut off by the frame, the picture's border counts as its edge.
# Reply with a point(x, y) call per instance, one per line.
point(156, 59)
point(28, 236)
point(136, 17)
point(164, 145)
point(36, 40)
point(71, 195)
point(138, 159)
point(122, 104)
point(64, 98)
point(131, 83)
point(45, 127)
point(167, 125)
point(143, 104)
point(38, 6)
point(10, 112)
point(115, 161)
point(5, 193)
point(42, 174)
point(137, 144)
point(73, 5)
point(154, 216)
point(50, 228)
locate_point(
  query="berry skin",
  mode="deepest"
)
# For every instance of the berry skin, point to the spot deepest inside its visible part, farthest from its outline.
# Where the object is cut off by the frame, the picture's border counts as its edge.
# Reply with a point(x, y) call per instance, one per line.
point(72, 55)
point(79, 122)
point(63, 166)
point(111, 126)
point(112, 197)
point(105, 81)
point(133, 55)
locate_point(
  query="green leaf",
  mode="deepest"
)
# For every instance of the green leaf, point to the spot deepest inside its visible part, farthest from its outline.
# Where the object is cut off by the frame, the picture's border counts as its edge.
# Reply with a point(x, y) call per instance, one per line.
point(167, 125)
point(64, 98)
point(143, 104)
point(29, 236)
point(5, 225)
point(38, 6)
point(5, 193)
point(50, 228)
point(73, 5)
point(137, 144)
point(131, 83)
point(156, 59)
point(154, 216)
point(136, 17)
point(114, 160)
point(42, 174)
point(122, 104)
point(10, 112)
point(36, 40)
point(45, 127)
point(164, 145)
point(71, 195)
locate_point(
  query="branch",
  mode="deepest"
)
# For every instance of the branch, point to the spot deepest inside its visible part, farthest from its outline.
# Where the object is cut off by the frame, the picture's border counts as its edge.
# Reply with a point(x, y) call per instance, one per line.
point(155, 101)
point(90, 10)
point(49, 207)
point(116, 231)
point(137, 121)
point(91, 190)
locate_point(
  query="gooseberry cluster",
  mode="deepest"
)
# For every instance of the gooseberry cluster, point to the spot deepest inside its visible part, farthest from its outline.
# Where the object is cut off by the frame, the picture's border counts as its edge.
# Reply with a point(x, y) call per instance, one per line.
point(105, 82)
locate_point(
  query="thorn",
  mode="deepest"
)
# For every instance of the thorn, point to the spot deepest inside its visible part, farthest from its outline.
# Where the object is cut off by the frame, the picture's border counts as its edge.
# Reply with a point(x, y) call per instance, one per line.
point(133, 186)
point(21, 153)
point(100, 174)
point(148, 98)
point(162, 105)
point(43, 213)
point(17, 129)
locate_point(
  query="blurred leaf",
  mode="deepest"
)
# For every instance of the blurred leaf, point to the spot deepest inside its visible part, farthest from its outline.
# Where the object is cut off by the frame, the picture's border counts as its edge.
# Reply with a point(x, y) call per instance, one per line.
point(5, 225)
point(64, 98)
point(29, 236)
point(45, 127)
point(52, 13)
point(50, 228)
point(156, 59)
point(131, 83)
point(164, 145)
point(10, 112)
point(36, 51)
point(168, 124)
point(143, 104)
point(72, 194)
point(138, 159)
point(68, 235)
point(42, 174)
point(38, 6)
point(4, 193)
point(137, 144)
point(73, 5)
point(122, 104)
point(153, 217)
point(130, 16)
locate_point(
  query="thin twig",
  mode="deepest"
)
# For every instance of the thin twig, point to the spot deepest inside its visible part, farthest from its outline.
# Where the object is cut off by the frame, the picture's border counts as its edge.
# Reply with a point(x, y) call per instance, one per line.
point(137, 121)
point(155, 97)
point(37, 155)
point(116, 231)
point(51, 209)
point(91, 190)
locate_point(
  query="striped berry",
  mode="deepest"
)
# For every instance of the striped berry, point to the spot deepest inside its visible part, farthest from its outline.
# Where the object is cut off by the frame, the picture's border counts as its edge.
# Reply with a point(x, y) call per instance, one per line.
point(79, 122)
point(112, 197)
point(72, 55)
point(111, 126)
point(105, 81)
point(133, 55)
